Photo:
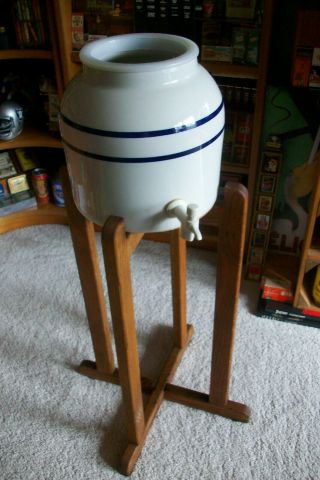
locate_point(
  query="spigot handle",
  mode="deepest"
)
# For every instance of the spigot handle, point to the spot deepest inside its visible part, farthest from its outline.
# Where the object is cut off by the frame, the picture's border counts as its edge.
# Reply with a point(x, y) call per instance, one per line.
point(192, 211)
point(193, 220)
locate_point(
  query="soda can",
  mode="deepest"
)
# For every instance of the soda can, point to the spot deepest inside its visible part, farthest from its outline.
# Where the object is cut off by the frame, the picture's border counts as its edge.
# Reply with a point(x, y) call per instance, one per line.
point(57, 192)
point(39, 179)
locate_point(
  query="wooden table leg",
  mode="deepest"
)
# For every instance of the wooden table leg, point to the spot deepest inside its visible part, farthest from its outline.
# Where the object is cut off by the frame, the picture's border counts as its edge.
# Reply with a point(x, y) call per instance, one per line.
point(84, 244)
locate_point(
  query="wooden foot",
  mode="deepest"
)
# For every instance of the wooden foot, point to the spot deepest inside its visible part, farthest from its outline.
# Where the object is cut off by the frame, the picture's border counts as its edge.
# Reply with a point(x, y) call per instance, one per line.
point(192, 398)
point(89, 369)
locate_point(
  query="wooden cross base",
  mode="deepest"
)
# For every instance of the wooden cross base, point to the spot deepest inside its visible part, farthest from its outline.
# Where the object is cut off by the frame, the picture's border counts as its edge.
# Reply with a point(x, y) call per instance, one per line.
point(117, 247)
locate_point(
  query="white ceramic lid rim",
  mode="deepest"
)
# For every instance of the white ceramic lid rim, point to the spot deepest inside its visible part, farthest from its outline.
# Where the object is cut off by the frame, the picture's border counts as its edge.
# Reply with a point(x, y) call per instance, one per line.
point(96, 54)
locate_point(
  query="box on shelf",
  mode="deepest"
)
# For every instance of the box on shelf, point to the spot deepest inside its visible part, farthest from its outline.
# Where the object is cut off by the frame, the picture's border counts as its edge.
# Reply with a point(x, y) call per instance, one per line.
point(245, 45)
point(314, 78)
point(216, 53)
point(301, 68)
point(18, 184)
point(240, 8)
point(7, 167)
point(77, 30)
point(25, 159)
point(279, 289)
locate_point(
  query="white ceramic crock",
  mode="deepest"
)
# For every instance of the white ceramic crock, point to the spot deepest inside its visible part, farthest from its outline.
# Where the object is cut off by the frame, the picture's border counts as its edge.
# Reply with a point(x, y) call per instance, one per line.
point(142, 125)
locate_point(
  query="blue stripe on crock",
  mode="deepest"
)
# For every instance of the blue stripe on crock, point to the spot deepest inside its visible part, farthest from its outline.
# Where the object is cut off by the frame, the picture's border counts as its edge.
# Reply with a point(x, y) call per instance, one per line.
point(161, 158)
point(152, 133)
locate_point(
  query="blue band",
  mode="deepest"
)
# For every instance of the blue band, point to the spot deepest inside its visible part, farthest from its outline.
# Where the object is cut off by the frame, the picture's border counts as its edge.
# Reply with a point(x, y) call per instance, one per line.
point(152, 133)
point(161, 158)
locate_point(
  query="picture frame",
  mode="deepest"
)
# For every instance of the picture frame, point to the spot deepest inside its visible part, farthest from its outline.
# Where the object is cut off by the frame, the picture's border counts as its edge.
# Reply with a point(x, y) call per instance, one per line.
point(257, 255)
point(265, 203)
point(259, 239)
point(267, 184)
point(254, 271)
point(262, 221)
point(271, 163)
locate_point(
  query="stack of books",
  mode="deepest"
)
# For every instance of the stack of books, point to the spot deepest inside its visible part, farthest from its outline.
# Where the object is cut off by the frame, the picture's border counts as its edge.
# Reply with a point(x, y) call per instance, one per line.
point(275, 301)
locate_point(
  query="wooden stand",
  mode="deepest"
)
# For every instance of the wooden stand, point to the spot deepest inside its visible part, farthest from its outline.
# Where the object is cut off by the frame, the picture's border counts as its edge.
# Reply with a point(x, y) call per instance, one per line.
point(117, 248)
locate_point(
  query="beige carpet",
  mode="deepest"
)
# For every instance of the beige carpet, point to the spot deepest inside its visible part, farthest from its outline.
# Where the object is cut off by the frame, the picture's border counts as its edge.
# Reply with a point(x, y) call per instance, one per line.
point(58, 425)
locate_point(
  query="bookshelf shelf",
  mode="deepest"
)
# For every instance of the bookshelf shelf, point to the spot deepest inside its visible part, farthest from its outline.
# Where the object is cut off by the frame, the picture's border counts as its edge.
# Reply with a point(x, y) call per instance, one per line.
point(47, 214)
point(31, 137)
point(25, 54)
point(223, 69)
point(232, 168)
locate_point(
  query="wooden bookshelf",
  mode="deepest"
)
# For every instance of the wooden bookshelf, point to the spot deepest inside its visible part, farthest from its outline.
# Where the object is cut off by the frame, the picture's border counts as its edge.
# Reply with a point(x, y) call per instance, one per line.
point(31, 136)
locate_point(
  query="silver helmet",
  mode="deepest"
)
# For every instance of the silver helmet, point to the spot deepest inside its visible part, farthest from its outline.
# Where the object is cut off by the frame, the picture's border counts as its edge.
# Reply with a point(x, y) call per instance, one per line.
point(11, 120)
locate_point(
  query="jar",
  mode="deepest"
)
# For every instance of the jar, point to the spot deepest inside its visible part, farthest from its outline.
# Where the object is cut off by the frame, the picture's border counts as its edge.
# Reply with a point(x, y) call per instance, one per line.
point(142, 125)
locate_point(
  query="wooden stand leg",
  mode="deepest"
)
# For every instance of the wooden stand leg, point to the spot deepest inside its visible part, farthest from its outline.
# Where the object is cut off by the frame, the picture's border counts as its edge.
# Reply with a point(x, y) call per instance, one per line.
point(178, 277)
point(117, 263)
point(117, 246)
point(229, 267)
point(84, 244)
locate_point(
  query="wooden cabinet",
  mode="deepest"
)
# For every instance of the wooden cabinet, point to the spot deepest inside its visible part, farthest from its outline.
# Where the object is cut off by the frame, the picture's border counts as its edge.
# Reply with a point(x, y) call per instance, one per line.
point(31, 136)
point(310, 253)
point(256, 74)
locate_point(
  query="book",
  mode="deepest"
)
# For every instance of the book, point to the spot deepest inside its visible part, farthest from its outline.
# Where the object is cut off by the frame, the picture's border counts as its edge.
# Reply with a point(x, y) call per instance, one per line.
point(25, 159)
point(17, 202)
point(301, 68)
point(286, 312)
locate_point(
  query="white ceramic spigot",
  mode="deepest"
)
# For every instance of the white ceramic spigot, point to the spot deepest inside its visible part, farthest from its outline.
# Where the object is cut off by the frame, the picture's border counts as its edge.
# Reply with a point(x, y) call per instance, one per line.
point(188, 217)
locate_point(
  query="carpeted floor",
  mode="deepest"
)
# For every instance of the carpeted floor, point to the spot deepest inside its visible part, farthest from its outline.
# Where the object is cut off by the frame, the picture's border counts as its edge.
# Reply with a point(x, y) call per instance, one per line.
point(58, 425)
